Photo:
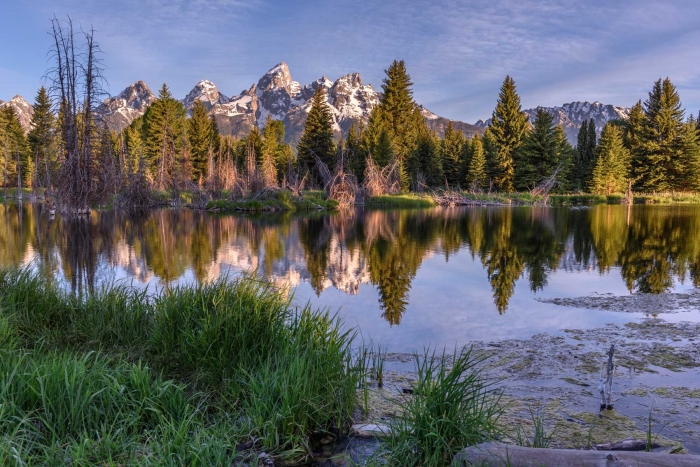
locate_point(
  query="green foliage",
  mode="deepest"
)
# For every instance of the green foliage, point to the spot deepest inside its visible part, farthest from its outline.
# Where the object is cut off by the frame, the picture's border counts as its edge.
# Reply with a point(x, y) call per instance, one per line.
point(584, 154)
point(544, 150)
point(507, 130)
point(453, 406)
point(15, 161)
point(612, 163)
point(278, 201)
point(317, 140)
point(201, 138)
point(476, 173)
point(451, 155)
point(400, 201)
point(427, 159)
point(660, 156)
point(43, 141)
point(86, 376)
point(164, 130)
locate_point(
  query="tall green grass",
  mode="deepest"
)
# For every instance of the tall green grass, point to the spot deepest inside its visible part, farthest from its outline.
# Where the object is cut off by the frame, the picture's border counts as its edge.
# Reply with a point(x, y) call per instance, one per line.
point(406, 200)
point(175, 379)
point(452, 406)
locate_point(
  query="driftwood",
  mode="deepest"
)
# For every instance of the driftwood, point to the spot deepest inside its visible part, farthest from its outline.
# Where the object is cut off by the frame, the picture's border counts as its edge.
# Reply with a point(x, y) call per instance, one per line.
point(605, 385)
point(502, 455)
point(625, 445)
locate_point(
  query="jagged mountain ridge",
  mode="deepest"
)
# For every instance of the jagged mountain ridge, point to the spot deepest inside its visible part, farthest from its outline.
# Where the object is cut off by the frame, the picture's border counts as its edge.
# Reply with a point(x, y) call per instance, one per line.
point(570, 116)
point(275, 94)
point(23, 109)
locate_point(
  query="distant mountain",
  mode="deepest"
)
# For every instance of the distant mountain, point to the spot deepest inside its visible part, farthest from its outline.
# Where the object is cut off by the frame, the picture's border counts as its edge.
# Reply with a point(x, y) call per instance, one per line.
point(439, 124)
point(131, 103)
point(206, 92)
point(573, 114)
point(23, 109)
point(275, 94)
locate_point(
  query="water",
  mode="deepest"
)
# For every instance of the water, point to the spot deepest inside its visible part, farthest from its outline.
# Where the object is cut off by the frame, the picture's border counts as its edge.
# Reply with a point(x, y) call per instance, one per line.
point(407, 278)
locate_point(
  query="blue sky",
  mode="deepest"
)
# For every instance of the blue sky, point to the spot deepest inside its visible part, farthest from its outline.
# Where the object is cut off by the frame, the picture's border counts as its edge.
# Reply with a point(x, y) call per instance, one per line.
point(457, 52)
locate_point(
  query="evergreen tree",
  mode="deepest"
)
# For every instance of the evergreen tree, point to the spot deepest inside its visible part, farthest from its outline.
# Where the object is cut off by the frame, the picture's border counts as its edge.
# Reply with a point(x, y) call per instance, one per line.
point(541, 153)
point(508, 128)
point(355, 155)
point(273, 147)
point(200, 136)
point(476, 173)
point(427, 159)
point(164, 130)
point(612, 163)
point(452, 149)
point(398, 116)
point(317, 139)
point(16, 159)
point(42, 141)
point(580, 163)
point(659, 162)
point(689, 166)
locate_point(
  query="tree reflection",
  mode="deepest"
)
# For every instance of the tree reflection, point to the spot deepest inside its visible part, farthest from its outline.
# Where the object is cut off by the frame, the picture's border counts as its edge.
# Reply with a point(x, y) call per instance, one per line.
point(651, 246)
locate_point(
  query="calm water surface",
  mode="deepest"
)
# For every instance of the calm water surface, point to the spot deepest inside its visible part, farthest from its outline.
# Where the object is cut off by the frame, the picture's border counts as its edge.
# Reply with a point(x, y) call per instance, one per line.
point(407, 278)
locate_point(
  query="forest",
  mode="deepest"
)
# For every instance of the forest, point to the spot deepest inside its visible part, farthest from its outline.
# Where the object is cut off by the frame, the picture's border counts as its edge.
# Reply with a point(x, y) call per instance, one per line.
point(71, 158)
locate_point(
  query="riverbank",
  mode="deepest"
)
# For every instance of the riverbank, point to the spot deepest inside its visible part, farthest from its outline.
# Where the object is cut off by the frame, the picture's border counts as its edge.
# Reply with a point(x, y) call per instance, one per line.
point(275, 201)
point(231, 372)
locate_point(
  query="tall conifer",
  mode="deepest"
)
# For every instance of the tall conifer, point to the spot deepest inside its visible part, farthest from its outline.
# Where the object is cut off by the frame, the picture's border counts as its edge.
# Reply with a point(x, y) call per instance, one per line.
point(317, 139)
point(201, 139)
point(508, 127)
point(476, 173)
point(612, 163)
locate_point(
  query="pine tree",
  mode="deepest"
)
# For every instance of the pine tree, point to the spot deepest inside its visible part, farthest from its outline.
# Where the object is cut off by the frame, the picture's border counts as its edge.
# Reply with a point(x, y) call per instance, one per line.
point(508, 128)
point(317, 139)
point(200, 137)
point(581, 164)
point(452, 147)
point(399, 117)
point(660, 153)
point(273, 147)
point(43, 141)
point(427, 159)
point(540, 154)
point(164, 130)
point(16, 153)
point(689, 163)
point(476, 173)
point(612, 163)
point(355, 155)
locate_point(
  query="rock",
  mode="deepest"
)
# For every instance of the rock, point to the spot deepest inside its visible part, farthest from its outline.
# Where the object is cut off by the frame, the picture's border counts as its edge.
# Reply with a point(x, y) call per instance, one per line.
point(370, 430)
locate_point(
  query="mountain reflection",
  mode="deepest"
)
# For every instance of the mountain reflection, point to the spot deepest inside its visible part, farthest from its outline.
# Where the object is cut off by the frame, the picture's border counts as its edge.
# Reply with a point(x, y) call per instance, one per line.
point(652, 246)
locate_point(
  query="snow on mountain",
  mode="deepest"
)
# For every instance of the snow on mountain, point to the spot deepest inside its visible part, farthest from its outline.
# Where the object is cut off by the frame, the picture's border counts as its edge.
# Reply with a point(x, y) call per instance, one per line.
point(23, 109)
point(570, 116)
point(121, 110)
point(276, 95)
point(206, 92)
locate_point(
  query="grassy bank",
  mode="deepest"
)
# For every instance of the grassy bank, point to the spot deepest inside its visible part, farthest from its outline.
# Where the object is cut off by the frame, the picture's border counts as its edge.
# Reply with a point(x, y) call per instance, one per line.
point(179, 379)
point(406, 200)
point(278, 201)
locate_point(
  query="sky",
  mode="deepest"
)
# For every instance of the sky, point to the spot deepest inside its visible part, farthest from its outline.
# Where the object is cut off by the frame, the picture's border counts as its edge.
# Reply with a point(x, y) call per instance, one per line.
point(457, 52)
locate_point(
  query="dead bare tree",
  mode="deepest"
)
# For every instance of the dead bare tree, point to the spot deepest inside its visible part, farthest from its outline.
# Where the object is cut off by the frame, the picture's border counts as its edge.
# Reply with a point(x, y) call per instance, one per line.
point(381, 180)
point(341, 185)
point(545, 187)
point(77, 89)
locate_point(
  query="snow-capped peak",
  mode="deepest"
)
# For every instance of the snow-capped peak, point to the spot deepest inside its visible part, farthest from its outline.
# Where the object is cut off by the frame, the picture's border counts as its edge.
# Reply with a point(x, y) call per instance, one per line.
point(23, 110)
point(206, 92)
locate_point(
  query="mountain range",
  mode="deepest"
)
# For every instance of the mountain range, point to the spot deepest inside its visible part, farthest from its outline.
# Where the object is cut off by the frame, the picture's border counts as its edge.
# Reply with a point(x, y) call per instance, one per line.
point(276, 94)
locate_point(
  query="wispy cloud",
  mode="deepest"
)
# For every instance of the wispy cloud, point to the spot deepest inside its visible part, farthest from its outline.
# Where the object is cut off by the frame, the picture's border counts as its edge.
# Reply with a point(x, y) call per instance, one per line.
point(458, 52)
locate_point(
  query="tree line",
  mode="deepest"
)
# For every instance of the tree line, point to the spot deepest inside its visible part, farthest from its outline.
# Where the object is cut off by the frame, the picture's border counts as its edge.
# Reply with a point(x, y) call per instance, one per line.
point(656, 149)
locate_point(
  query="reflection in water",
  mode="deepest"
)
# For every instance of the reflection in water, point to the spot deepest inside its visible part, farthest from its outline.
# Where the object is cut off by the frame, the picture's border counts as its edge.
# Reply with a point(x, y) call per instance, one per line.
point(652, 246)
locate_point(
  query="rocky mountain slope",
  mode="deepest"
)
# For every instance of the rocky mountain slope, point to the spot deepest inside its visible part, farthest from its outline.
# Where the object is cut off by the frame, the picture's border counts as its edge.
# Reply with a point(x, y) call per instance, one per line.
point(121, 110)
point(275, 94)
point(573, 114)
point(23, 109)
